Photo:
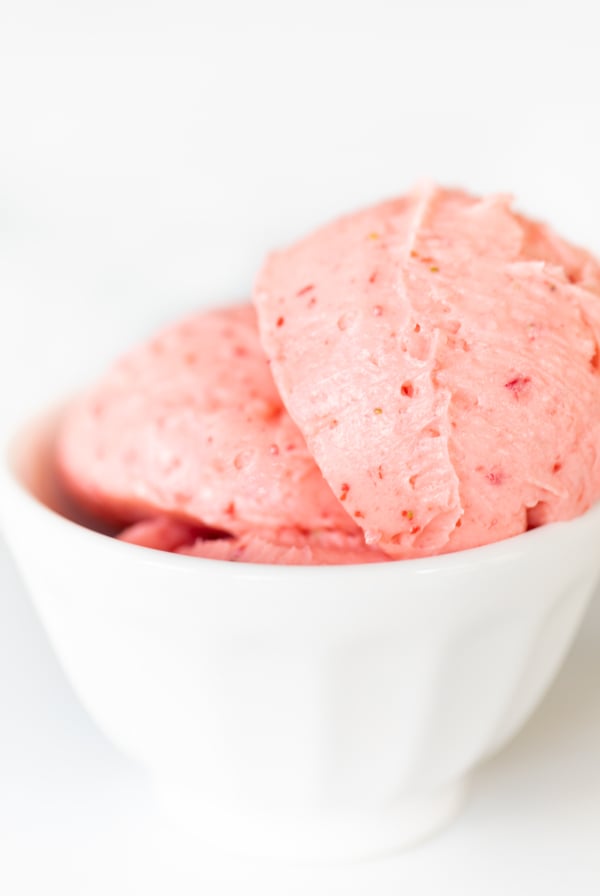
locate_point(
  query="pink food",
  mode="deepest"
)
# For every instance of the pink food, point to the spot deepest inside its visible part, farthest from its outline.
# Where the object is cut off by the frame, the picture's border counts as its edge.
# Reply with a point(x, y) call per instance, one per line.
point(161, 533)
point(190, 426)
point(439, 354)
point(283, 546)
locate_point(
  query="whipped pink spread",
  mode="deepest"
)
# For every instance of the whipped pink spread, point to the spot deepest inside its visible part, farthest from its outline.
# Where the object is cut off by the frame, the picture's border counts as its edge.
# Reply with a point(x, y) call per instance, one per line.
point(289, 546)
point(424, 377)
point(439, 354)
point(191, 427)
point(284, 546)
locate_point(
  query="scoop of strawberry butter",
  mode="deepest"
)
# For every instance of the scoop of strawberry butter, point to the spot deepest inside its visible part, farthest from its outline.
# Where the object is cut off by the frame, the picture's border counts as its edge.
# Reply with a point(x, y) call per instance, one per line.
point(190, 427)
point(283, 546)
point(439, 354)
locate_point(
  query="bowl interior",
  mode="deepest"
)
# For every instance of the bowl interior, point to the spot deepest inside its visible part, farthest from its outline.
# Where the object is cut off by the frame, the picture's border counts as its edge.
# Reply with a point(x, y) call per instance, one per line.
point(31, 460)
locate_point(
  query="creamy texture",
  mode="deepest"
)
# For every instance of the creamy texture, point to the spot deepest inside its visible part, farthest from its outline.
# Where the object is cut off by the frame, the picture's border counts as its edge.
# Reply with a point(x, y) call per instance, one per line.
point(160, 533)
point(282, 546)
point(191, 426)
point(439, 354)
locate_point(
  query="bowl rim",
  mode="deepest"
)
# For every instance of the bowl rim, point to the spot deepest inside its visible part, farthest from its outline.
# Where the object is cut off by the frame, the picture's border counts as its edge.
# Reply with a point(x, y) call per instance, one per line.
point(498, 551)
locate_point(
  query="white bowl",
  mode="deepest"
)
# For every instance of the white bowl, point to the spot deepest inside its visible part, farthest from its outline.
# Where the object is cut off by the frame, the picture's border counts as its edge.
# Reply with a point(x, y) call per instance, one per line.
point(300, 712)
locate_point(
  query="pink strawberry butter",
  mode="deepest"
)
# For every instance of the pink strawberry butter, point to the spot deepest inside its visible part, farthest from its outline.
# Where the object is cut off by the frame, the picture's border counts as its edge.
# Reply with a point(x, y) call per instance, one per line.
point(191, 427)
point(439, 354)
point(283, 546)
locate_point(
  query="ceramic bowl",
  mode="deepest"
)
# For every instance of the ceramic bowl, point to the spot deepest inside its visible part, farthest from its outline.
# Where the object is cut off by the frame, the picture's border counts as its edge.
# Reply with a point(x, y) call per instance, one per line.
point(314, 712)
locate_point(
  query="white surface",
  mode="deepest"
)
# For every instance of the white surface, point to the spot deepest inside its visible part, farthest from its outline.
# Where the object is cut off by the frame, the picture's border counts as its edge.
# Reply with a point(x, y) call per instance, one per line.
point(316, 713)
point(149, 154)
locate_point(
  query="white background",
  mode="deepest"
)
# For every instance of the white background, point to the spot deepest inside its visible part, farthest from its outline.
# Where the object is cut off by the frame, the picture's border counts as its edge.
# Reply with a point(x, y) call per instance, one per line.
point(150, 153)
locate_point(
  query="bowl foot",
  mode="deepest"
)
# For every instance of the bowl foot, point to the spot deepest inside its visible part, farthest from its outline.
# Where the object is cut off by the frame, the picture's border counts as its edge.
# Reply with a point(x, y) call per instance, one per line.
point(316, 836)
